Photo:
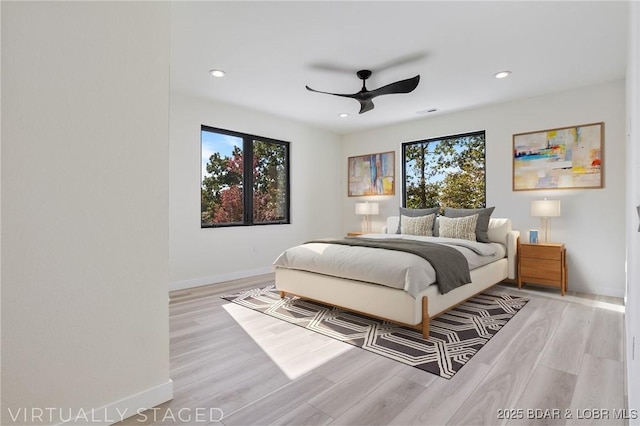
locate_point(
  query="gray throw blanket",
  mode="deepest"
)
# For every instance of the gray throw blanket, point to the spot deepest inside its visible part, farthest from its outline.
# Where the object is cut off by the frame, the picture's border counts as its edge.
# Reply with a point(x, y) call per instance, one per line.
point(452, 268)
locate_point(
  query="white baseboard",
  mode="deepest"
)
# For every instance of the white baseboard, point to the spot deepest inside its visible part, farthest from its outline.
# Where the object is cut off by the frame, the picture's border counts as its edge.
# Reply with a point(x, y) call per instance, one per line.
point(613, 292)
point(124, 408)
point(606, 291)
point(198, 282)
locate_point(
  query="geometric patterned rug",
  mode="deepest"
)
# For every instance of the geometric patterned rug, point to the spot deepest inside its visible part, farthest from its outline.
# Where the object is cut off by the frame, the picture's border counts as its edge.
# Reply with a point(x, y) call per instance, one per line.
point(454, 337)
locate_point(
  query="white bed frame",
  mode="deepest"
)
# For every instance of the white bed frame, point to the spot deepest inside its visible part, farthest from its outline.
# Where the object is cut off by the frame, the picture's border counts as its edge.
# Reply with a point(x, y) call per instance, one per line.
point(397, 305)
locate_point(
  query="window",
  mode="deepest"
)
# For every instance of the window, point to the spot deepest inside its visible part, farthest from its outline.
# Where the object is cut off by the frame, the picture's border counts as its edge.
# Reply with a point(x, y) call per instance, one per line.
point(446, 172)
point(244, 179)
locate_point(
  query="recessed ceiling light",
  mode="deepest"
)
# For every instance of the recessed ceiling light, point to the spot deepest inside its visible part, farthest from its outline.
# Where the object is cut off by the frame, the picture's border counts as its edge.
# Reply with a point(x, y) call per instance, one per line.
point(343, 115)
point(426, 111)
point(502, 74)
point(217, 73)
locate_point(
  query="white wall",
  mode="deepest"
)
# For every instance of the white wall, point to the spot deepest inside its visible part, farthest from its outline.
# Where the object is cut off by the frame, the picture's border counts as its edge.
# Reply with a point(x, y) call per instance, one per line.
point(632, 315)
point(592, 222)
point(203, 256)
point(85, 104)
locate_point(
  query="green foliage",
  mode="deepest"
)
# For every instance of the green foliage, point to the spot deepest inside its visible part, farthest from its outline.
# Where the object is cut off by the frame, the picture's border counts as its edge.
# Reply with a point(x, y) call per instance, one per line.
point(221, 194)
point(446, 172)
point(269, 181)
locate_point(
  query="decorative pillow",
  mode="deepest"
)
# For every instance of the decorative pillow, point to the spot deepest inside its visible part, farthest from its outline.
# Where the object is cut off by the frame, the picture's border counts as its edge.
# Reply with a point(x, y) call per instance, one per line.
point(421, 225)
point(461, 227)
point(415, 213)
point(484, 215)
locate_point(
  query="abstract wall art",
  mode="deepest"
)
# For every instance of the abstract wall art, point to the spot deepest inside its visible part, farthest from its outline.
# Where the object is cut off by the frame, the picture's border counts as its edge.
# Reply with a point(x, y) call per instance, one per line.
point(563, 158)
point(372, 174)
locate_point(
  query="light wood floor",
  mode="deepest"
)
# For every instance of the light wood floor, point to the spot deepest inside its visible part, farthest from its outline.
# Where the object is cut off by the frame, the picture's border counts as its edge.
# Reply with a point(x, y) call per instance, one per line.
point(562, 353)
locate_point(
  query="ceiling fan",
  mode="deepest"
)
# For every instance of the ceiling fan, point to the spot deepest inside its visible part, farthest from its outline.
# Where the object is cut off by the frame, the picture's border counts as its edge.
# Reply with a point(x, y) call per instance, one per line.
point(365, 96)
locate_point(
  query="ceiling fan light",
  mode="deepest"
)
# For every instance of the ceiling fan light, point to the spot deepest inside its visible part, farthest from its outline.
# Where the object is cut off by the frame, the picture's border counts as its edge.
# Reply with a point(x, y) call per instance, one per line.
point(502, 74)
point(217, 73)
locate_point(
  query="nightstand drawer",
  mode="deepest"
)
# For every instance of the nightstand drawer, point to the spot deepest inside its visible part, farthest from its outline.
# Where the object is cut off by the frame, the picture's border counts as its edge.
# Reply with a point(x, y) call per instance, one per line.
point(540, 252)
point(531, 267)
point(554, 281)
point(540, 273)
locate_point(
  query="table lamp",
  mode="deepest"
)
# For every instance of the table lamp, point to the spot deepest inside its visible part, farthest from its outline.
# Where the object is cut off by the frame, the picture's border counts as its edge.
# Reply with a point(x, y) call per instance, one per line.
point(366, 209)
point(544, 209)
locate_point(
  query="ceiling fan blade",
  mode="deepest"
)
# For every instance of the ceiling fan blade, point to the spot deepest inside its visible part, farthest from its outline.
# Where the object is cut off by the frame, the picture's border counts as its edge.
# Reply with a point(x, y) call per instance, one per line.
point(401, 60)
point(326, 66)
point(402, 86)
point(366, 106)
point(334, 94)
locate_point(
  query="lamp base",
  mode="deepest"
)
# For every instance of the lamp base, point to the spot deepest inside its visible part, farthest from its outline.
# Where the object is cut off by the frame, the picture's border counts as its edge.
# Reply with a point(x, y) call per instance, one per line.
point(366, 225)
point(544, 228)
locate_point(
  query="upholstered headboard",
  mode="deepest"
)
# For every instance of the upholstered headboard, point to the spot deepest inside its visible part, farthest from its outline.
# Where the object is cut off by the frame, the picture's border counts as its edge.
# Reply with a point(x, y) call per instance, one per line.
point(392, 225)
point(498, 228)
point(500, 231)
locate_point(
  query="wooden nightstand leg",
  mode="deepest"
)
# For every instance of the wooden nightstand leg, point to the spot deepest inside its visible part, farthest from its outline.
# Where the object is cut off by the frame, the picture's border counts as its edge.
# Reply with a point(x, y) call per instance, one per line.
point(518, 269)
point(563, 287)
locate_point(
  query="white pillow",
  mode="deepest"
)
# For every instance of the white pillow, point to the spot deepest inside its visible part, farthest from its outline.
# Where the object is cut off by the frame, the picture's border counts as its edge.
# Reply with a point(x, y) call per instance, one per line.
point(421, 225)
point(460, 227)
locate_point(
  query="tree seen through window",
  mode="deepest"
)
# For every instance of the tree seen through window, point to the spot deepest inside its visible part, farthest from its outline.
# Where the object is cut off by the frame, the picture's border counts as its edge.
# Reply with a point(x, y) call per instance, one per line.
point(233, 161)
point(445, 172)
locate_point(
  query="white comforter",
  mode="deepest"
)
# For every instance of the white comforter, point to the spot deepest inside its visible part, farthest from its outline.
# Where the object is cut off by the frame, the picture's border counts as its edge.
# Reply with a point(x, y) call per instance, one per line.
point(386, 267)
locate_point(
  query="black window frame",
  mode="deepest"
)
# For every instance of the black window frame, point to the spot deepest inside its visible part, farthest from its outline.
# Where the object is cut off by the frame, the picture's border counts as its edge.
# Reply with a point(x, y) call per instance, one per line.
point(461, 135)
point(247, 177)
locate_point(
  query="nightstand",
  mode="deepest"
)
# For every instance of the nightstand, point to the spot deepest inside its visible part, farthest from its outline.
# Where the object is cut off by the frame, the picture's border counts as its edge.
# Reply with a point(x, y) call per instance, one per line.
point(543, 263)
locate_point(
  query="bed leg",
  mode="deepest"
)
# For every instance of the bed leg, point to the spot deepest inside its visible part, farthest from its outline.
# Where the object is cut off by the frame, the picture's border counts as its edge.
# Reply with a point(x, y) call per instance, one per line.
point(281, 294)
point(425, 317)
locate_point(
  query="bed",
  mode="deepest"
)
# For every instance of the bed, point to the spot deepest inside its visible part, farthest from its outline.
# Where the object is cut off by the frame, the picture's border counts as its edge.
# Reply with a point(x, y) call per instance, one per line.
point(410, 305)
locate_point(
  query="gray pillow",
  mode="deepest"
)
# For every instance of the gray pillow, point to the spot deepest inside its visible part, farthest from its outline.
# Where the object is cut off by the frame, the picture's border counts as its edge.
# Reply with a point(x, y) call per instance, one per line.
point(415, 213)
point(482, 226)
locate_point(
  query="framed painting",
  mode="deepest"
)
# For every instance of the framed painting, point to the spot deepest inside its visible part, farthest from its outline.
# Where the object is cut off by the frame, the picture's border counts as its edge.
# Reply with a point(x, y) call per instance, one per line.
point(563, 158)
point(372, 174)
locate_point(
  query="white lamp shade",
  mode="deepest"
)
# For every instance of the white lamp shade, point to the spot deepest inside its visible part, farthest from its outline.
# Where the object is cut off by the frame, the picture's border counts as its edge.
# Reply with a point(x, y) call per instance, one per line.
point(545, 208)
point(367, 208)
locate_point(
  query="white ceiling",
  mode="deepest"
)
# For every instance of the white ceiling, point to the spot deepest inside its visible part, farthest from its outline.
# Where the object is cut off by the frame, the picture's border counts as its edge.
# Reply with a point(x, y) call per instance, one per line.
point(271, 50)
